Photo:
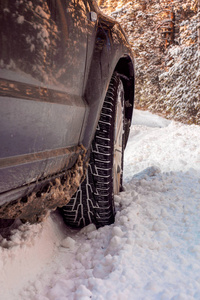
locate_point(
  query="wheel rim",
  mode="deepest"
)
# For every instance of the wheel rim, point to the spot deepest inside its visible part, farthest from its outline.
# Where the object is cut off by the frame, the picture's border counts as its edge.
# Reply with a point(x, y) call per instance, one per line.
point(118, 145)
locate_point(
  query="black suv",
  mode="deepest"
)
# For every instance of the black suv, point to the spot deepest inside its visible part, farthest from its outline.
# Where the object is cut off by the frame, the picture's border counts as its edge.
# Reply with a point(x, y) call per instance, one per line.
point(66, 101)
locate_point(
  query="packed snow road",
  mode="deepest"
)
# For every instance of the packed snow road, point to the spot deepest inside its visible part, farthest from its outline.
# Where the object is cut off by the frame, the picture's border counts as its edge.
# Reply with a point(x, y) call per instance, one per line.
point(152, 251)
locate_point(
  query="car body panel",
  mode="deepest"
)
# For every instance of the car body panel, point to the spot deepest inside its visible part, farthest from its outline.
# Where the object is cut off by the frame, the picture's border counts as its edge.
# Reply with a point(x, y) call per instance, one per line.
point(42, 107)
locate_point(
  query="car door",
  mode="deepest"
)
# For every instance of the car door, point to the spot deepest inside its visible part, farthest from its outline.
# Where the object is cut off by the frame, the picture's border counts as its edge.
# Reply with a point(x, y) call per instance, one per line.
point(43, 48)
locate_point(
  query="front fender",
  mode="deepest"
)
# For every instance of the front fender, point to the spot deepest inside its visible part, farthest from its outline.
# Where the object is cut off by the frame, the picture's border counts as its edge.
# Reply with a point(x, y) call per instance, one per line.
point(110, 48)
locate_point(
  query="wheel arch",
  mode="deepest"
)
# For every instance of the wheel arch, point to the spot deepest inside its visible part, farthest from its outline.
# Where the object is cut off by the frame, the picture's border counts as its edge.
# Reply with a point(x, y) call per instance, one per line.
point(125, 70)
point(97, 83)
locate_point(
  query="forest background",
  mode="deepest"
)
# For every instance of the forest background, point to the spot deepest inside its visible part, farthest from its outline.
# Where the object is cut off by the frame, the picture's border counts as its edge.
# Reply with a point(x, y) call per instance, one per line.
point(165, 38)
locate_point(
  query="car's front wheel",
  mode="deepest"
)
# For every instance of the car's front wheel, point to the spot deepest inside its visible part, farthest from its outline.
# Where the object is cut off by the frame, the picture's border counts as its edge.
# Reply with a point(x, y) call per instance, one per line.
point(94, 200)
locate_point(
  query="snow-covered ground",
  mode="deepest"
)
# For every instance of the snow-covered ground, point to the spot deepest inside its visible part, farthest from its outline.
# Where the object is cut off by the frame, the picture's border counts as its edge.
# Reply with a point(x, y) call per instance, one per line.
point(152, 251)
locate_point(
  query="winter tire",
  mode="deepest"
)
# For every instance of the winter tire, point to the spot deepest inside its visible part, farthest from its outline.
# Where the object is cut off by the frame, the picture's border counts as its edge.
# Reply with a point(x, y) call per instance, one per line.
point(94, 200)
